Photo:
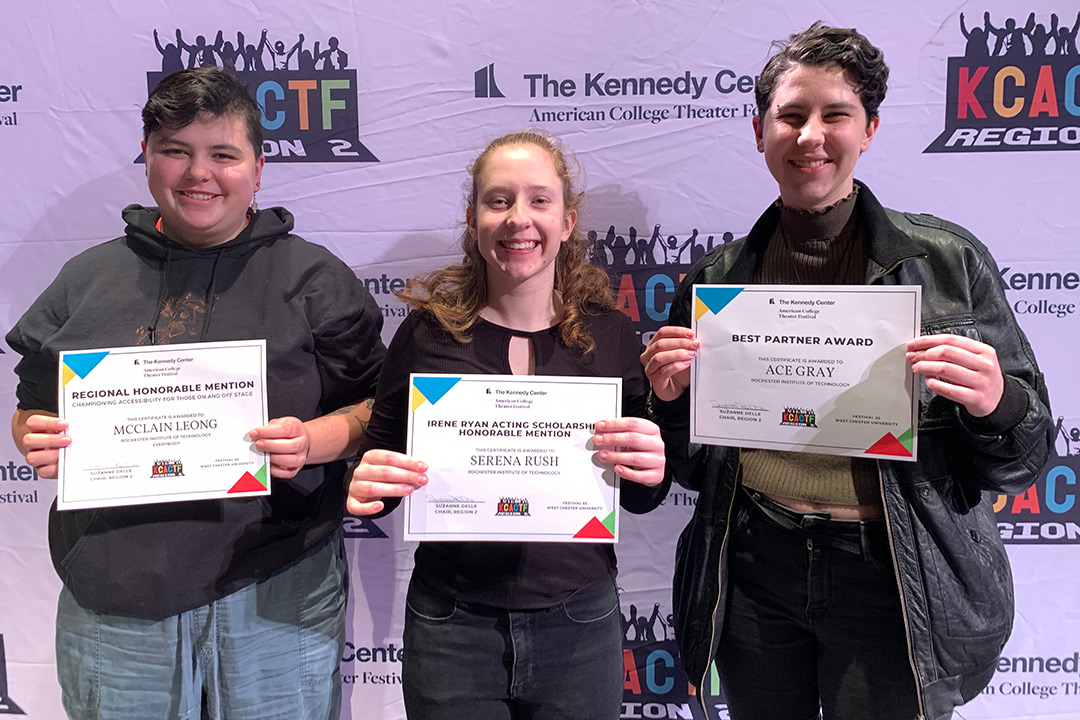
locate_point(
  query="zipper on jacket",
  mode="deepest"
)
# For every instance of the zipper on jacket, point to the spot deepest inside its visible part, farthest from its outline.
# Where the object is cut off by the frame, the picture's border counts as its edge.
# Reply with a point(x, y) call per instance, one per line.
point(903, 602)
point(719, 578)
point(892, 547)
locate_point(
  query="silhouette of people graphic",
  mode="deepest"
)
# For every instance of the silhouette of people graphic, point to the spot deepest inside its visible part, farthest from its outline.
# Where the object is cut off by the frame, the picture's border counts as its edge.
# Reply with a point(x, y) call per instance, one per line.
point(1040, 36)
point(977, 38)
point(1011, 37)
point(619, 248)
point(200, 54)
point(226, 52)
point(644, 249)
point(253, 54)
point(279, 56)
point(171, 60)
point(1066, 38)
point(333, 58)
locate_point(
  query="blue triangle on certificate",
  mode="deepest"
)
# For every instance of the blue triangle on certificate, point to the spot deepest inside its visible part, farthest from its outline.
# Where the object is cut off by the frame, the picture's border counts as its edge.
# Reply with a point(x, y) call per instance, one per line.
point(433, 388)
point(717, 298)
point(82, 363)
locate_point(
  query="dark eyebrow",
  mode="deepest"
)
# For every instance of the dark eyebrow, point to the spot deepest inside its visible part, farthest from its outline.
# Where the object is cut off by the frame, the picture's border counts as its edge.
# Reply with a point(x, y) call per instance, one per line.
point(167, 140)
point(842, 105)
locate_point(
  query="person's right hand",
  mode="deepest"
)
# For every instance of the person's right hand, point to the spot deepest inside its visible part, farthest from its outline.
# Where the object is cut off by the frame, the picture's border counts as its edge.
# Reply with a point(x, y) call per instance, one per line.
point(667, 360)
point(42, 442)
point(383, 473)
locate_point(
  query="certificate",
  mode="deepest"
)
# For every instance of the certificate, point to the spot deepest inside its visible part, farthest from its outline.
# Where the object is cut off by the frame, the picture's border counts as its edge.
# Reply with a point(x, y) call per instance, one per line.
point(162, 423)
point(810, 368)
point(511, 458)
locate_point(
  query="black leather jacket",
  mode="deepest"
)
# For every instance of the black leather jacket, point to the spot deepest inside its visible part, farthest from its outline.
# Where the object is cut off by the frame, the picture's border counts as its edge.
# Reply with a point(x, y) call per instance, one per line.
point(953, 573)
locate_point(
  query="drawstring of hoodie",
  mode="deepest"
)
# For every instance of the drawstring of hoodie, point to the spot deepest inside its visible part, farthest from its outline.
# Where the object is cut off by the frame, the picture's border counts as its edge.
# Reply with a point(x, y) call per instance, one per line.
point(152, 327)
point(208, 298)
point(208, 301)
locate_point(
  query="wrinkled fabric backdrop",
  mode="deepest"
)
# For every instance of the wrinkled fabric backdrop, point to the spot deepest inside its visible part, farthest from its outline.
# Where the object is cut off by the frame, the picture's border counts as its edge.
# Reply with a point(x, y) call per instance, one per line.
point(368, 136)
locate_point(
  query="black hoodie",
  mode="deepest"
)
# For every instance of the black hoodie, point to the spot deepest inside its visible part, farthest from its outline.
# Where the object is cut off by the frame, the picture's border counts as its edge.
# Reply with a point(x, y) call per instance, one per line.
point(323, 351)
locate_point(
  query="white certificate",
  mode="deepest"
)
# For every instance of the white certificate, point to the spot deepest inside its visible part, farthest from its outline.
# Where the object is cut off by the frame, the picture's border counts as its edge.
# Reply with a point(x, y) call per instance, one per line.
point(811, 368)
point(511, 458)
point(162, 423)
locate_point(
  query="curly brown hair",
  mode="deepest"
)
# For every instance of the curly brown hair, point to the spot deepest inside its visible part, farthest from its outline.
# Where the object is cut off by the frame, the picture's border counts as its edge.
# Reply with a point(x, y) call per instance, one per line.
point(455, 295)
point(821, 46)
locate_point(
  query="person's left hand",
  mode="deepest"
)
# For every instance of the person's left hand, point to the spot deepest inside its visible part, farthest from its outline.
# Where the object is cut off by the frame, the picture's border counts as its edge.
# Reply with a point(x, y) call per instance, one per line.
point(286, 441)
point(634, 446)
point(960, 369)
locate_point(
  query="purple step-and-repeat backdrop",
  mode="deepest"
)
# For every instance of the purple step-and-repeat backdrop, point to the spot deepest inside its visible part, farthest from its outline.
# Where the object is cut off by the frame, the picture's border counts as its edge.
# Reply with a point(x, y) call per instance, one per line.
point(373, 111)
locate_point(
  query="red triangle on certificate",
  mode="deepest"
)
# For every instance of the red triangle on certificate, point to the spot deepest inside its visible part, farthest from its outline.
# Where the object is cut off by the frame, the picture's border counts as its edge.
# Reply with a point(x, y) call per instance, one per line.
point(247, 483)
point(594, 530)
point(888, 445)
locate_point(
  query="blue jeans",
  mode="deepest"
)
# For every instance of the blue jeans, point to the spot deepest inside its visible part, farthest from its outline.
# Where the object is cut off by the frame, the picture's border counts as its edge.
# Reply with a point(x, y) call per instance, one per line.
point(483, 663)
point(269, 651)
point(814, 622)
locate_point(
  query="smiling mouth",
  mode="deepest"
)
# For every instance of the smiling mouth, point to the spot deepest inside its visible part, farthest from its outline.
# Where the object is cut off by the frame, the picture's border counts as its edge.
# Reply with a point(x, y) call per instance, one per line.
point(198, 195)
point(808, 164)
point(520, 244)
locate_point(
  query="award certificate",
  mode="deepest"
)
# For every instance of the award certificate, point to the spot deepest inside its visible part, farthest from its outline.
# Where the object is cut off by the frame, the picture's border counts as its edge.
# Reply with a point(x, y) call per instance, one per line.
point(510, 457)
point(162, 423)
point(810, 368)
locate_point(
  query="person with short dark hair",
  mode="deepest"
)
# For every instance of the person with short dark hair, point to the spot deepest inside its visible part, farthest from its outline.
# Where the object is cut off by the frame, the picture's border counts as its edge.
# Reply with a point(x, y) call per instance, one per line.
point(211, 608)
point(841, 586)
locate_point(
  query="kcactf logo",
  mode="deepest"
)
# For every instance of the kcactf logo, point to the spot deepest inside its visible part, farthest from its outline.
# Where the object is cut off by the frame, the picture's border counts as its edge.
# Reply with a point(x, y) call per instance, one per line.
point(166, 468)
point(654, 681)
point(646, 268)
point(308, 94)
point(1048, 513)
point(798, 416)
point(7, 705)
point(1016, 88)
point(512, 506)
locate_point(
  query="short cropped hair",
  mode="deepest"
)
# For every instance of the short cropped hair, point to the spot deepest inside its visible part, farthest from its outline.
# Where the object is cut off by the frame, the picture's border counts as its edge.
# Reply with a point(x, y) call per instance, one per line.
point(180, 97)
point(823, 46)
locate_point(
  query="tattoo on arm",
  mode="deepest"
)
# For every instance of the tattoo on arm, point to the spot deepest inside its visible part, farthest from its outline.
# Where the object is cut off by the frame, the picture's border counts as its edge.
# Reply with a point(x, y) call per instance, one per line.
point(354, 412)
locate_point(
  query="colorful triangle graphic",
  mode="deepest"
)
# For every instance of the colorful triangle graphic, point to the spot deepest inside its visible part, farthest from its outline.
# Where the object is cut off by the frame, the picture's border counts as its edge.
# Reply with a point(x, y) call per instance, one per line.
point(889, 445)
point(431, 389)
point(907, 439)
point(81, 364)
point(596, 530)
point(251, 483)
point(609, 523)
point(715, 299)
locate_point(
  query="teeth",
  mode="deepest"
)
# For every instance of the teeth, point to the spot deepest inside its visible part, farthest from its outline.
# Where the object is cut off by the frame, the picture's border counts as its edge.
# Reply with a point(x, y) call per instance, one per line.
point(198, 196)
point(521, 245)
point(808, 163)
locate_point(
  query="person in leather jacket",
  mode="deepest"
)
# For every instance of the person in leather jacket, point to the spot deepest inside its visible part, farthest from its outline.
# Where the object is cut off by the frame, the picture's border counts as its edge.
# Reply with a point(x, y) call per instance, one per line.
point(852, 587)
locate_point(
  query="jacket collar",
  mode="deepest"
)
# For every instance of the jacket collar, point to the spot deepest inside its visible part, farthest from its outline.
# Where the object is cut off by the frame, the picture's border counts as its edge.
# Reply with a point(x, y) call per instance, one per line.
point(887, 245)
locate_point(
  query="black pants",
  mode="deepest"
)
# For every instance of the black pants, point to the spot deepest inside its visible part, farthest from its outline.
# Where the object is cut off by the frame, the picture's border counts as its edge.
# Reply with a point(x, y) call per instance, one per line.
point(813, 621)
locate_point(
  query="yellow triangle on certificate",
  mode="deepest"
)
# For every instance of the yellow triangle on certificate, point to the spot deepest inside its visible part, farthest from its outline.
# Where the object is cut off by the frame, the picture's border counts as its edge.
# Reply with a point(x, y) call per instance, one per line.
point(417, 398)
point(68, 374)
point(699, 308)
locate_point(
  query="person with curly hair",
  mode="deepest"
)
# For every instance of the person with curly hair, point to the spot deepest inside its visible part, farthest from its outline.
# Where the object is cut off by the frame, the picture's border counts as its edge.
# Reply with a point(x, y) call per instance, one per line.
point(514, 630)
